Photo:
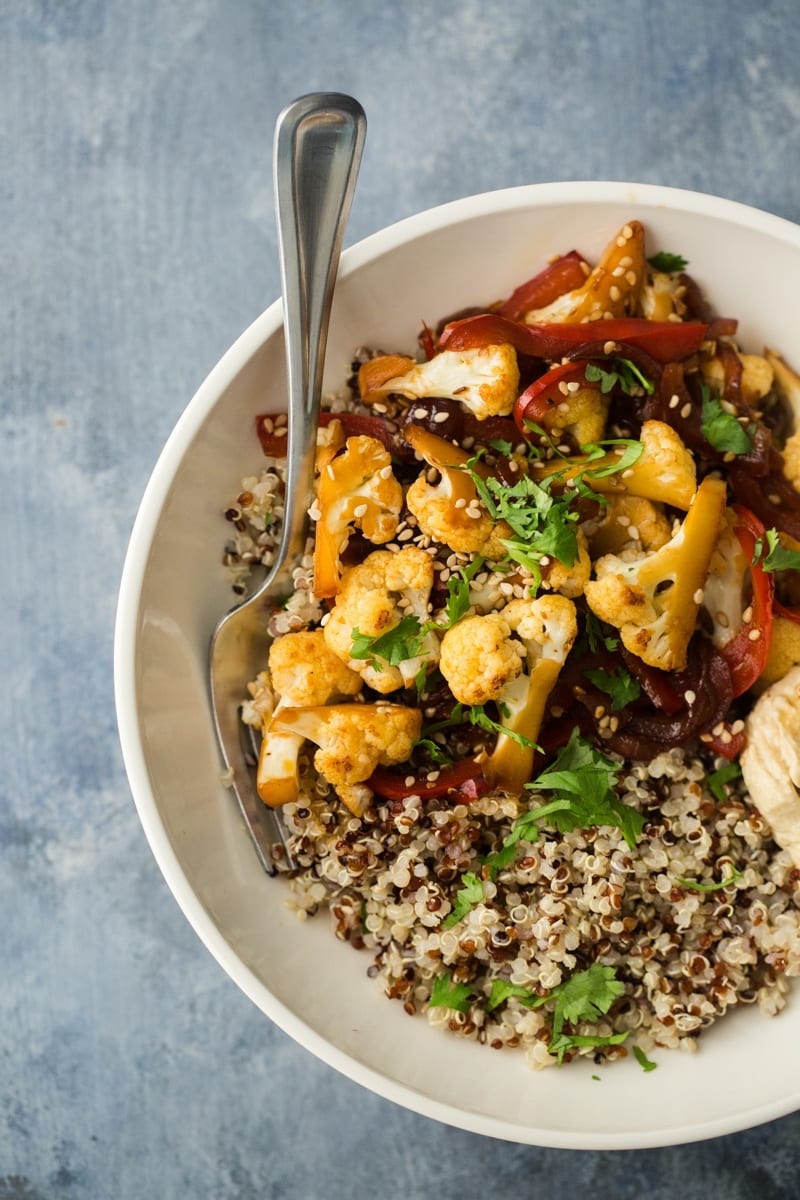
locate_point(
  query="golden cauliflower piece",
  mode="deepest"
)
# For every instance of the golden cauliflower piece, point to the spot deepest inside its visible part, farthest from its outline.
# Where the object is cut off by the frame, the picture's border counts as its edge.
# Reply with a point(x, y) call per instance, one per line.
point(484, 380)
point(628, 523)
point(653, 598)
point(478, 658)
point(355, 488)
point(376, 596)
point(661, 297)
point(612, 289)
point(791, 460)
point(569, 581)
point(353, 740)
point(757, 376)
point(305, 671)
point(450, 511)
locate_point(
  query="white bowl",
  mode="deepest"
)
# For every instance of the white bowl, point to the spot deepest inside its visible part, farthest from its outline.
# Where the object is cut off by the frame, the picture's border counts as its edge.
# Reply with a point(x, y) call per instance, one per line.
point(173, 590)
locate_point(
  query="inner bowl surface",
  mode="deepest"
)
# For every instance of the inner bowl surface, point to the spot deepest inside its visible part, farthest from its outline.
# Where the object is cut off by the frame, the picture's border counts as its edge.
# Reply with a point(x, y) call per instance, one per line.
point(174, 589)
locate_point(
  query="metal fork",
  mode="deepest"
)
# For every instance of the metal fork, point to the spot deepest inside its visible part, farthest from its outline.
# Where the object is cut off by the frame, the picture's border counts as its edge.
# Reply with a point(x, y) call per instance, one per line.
point(316, 155)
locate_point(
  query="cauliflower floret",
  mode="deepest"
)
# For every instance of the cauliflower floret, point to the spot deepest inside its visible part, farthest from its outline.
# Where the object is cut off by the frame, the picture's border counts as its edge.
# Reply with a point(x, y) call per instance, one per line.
point(305, 671)
point(771, 761)
point(628, 523)
point(661, 297)
point(611, 290)
point(664, 471)
point(791, 460)
point(653, 598)
point(478, 662)
point(484, 380)
point(757, 376)
point(449, 511)
point(581, 414)
point(376, 596)
point(569, 581)
point(479, 658)
point(353, 740)
point(356, 488)
point(302, 671)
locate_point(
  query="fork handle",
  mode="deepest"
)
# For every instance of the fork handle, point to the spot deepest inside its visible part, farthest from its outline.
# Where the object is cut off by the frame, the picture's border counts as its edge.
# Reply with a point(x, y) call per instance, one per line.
point(319, 139)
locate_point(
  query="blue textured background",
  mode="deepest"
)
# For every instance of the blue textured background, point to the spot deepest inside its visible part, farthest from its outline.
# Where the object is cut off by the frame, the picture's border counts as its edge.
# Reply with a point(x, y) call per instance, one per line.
point(138, 241)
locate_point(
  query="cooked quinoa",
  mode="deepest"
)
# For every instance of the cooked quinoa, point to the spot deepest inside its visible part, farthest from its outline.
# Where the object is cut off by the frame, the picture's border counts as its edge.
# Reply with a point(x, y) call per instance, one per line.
point(681, 898)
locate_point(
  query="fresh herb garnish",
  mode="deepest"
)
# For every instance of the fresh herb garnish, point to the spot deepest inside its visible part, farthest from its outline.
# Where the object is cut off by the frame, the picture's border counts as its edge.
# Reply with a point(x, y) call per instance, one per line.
point(630, 452)
point(446, 994)
point(400, 643)
point(720, 428)
point(467, 896)
point(458, 590)
point(583, 780)
point(586, 779)
point(478, 716)
point(644, 1062)
point(503, 989)
point(501, 446)
point(594, 635)
point(717, 779)
point(585, 997)
point(668, 263)
point(693, 886)
point(434, 752)
point(619, 685)
point(623, 373)
point(777, 557)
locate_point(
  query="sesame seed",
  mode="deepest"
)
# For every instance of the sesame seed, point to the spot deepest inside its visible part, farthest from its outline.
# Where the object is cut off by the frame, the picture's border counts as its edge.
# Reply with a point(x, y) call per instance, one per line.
point(507, 588)
point(432, 776)
point(599, 712)
point(513, 466)
point(564, 448)
point(626, 260)
point(544, 561)
point(627, 232)
point(698, 596)
point(440, 417)
point(610, 347)
point(562, 387)
point(631, 277)
point(409, 780)
point(624, 522)
point(689, 696)
point(621, 241)
point(420, 414)
point(315, 512)
point(722, 619)
point(614, 292)
point(725, 737)
point(718, 728)
point(737, 726)
point(379, 408)
point(674, 318)
point(385, 472)
point(618, 272)
point(674, 401)
point(728, 456)
point(687, 408)
point(627, 474)
point(633, 531)
point(573, 386)
point(754, 635)
point(360, 510)
point(747, 615)
point(705, 737)
point(460, 503)
point(467, 443)
point(774, 498)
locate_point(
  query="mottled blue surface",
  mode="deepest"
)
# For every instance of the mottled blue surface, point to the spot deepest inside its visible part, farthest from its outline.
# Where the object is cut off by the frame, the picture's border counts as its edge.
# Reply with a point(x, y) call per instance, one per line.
point(137, 241)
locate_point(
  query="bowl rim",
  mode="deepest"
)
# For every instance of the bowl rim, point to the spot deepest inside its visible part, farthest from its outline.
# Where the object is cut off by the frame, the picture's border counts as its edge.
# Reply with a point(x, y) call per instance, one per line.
point(568, 193)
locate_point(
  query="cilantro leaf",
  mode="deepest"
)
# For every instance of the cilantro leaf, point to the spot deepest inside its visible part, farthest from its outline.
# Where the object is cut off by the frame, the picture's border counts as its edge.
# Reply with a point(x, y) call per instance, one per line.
point(526, 827)
point(446, 994)
point(585, 997)
point(644, 1062)
point(503, 989)
point(620, 685)
point(587, 778)
point(720, 428)
point(595, 636)
point(477, 716)
point(727, 774)
point(622, 373)
point(466, 898)
point(778, 557)
point(694, 886)
point(501, 446)
point(435, 752)
point(397, 645)
point(458, 591)
point(668, 263)
point(630, 452)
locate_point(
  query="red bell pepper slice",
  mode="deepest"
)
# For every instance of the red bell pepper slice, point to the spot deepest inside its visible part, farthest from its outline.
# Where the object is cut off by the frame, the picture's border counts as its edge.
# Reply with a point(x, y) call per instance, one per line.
point(730, 749)
point(558, 277)
point(666, 341)
point(354, 425)
point(746, 655)
point(393, 786)
point(545, 393)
